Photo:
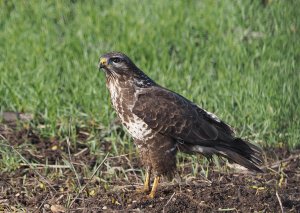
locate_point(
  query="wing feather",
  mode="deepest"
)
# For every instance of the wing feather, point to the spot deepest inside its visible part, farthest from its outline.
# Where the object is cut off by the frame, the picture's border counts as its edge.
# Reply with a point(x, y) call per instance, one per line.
point(171, 114)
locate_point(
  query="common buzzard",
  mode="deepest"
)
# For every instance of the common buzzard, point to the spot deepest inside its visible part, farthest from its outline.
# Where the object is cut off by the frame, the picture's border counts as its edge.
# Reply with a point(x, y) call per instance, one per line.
point(163, 122)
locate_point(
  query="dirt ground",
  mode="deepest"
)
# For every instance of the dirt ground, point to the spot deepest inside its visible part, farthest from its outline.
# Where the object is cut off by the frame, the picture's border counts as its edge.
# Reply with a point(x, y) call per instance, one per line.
point(55, 177)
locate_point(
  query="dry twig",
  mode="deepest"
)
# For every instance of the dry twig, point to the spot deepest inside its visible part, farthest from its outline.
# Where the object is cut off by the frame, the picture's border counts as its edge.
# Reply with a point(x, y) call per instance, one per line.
point(280, 203)
point(169, 201)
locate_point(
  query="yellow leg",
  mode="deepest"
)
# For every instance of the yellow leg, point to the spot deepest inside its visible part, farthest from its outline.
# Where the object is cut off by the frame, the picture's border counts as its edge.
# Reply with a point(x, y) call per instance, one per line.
point(146, 187)
point(147, 182)
point(154, 187)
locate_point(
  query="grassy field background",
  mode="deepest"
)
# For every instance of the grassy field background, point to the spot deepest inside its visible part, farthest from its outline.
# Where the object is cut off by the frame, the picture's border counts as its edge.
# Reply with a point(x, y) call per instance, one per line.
point(238, 59)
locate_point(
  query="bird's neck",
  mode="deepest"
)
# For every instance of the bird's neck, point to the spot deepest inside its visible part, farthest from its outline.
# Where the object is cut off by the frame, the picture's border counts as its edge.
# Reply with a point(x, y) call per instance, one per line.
point(142, 80)
point(136, 80)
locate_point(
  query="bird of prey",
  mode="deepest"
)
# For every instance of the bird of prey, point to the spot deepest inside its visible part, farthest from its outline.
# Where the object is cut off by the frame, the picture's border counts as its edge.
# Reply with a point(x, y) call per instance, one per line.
point(163, 122)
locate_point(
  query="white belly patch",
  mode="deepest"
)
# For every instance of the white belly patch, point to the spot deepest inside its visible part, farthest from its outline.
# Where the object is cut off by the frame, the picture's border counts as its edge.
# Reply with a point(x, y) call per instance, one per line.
point(138, 128)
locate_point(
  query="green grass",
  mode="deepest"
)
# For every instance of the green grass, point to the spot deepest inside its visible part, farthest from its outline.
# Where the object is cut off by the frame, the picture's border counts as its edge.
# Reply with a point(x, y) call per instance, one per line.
point(238, 59)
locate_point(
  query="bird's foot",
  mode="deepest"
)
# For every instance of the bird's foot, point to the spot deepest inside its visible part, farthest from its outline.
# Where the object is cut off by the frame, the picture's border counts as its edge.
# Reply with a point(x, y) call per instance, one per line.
point(154, 188)
point(151, 195)
point(146, 187)
point(143, 190)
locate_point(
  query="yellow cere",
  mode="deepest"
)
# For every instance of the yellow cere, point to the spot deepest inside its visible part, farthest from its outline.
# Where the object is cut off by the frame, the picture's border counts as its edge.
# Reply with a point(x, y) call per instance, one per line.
point(103, 61)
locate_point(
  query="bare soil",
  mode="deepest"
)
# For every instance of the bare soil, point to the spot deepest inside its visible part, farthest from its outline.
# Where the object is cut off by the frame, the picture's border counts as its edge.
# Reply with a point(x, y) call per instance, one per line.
point(44, 182)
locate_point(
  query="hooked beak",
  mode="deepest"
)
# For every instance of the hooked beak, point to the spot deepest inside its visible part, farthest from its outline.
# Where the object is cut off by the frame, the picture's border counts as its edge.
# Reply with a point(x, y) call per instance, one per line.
point(102, 63)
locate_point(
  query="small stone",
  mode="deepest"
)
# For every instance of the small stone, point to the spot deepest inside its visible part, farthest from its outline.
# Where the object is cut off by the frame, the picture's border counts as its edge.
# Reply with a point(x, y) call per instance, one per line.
point(42, 185)
point(92, 193)
point(57, 209)
point(104, 207)
point(55, 147)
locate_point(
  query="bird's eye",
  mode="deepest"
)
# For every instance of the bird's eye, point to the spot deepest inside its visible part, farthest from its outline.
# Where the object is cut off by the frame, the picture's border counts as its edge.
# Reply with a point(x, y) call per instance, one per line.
point(116, 60)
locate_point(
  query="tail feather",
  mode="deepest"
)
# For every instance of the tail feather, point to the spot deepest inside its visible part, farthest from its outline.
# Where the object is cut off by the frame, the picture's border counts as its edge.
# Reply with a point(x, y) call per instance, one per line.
point(241, 160)
point(238, 150)
point(241, 152)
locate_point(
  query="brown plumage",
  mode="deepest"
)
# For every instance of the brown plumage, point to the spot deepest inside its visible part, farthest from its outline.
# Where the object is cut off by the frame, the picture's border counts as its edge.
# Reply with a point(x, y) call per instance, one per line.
point(163, 122)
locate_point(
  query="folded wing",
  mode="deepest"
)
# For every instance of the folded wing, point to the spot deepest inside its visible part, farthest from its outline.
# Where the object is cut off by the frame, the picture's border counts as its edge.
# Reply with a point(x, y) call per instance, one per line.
point(171, 114)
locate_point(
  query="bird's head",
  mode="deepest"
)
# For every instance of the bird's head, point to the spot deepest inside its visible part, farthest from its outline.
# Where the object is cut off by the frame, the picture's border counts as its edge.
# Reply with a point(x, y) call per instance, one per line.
point(119, 66)
point(117, 63)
